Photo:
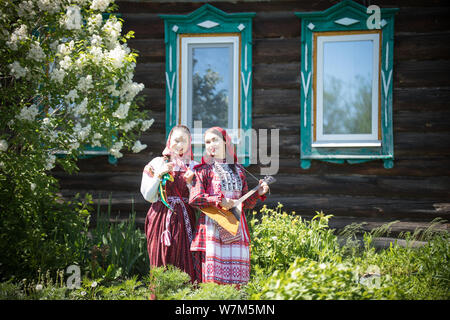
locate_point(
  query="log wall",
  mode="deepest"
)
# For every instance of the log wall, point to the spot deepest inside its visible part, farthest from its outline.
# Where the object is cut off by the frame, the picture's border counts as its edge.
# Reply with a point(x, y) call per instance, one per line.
point(416, 189)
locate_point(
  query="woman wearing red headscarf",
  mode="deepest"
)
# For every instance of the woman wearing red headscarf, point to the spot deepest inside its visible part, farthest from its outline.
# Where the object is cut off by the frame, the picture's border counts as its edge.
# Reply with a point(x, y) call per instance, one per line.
point(170, 222)
point(219, 181)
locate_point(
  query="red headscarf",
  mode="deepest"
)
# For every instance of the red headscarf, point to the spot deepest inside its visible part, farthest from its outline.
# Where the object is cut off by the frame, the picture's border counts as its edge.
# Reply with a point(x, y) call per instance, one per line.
point(185, 158)
point(230, 154)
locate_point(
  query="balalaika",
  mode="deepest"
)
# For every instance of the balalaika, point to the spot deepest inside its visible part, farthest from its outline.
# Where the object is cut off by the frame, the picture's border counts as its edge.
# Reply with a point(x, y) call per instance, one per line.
point(230, 219)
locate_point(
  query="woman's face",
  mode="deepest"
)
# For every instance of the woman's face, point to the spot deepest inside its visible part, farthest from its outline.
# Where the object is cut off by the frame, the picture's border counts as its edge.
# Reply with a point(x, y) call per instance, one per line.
point(215, 146)
point(179, 142)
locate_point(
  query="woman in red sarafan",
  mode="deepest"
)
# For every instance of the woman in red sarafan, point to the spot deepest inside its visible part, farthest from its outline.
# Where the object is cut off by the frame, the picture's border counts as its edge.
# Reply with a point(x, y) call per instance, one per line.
point(219, 181)
point(169, 233)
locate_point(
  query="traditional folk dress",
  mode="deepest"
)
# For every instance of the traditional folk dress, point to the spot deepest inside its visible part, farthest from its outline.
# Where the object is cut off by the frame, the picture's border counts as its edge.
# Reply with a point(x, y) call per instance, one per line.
point(225, 259)
point(169, 233)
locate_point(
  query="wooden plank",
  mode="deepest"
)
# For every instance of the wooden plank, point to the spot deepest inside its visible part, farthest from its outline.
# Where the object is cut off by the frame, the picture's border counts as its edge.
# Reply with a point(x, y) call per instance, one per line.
point(276, 50)
point(420, 121)
point(428, 46)
point(145, 24)
point(437, 188)
point(418, 99)
point(413, 167)
point(340, 205)
point(274, 101)
point(149, 50)
point(308, 205)
point(430, 73)
point(152, 75)
point(276, 75)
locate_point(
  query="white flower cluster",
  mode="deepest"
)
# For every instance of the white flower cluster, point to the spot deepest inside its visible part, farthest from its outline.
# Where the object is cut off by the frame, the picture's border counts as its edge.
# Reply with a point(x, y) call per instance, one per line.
point(73, 19)
point(82, 133)
point(81, 109)
point(17, 70)
point(117, 56)
point(71, 96)
point(85, 83)
point(49, 6)
point(96, 140)
point(57, 75)
point(100, 5)
point(138, 147)
point(50, 164)
point(146, 124)
point(115, 149)
point(3, 145)
point(94, 22)
point(28, 113)
point(122, 111)
point(36, 53)
point(19, 34)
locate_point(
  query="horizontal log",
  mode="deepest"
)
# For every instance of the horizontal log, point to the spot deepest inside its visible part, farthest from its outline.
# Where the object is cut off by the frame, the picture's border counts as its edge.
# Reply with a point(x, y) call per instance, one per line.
point(306, 205)
point(149, 50)
point(428, 46)
point(431, 73)
point(437, 188)
point(419, 99)
point(414, 167)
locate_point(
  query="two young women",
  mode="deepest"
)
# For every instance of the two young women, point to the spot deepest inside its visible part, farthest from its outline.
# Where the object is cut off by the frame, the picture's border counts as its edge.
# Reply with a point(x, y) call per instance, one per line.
point(203, 249)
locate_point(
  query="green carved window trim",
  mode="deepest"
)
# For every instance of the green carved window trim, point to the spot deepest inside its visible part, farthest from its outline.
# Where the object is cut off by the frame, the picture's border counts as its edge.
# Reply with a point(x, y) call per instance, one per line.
point(210, 21)
point(346, 17)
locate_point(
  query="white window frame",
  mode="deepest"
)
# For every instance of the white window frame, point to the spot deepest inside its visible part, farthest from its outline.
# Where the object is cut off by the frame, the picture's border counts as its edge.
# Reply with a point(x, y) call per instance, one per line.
point(185, 107)
point(348, 140)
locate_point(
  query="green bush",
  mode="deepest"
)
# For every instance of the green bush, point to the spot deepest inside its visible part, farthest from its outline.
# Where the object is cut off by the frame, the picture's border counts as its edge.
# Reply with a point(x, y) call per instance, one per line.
point(279, 238)
point(310, 280)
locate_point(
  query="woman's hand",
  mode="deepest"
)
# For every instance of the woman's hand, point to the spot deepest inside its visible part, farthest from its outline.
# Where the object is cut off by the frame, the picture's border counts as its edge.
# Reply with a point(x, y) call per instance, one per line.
point(188, 176)
point(227, 203)
point(166, 167)
point(263, 188)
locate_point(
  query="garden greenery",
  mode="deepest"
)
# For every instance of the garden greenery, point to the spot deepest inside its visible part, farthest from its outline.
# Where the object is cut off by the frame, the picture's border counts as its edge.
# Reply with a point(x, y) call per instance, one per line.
point(314, 265)
point(66, 82)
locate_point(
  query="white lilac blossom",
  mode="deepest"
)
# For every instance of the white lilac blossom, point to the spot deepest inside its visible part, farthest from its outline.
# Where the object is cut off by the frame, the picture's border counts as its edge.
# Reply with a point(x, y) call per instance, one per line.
point(122, 111)
point(128, 126)
point(19, 34)
point(94, 22)
point(57, 75)
point(28, 113)
point(115, 149)
point(3, 145)
point(138, 147)
point(85, 83)
point(81, 108)
point(96, 140)
point(17, 70)
point(71, 96)
point(147, 124)
point(100, 5)
point(49, 6)
point(117, 56)
point(36, 53)
point(50, 162)
point(73, 18)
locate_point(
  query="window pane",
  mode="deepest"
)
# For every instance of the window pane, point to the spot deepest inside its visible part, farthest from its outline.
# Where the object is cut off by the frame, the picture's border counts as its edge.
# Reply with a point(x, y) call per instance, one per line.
point(211, 84)
point(347, 87)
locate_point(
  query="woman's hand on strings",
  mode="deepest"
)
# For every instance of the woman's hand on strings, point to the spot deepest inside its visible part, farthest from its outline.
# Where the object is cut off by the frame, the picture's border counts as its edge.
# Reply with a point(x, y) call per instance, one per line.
point(227, 203)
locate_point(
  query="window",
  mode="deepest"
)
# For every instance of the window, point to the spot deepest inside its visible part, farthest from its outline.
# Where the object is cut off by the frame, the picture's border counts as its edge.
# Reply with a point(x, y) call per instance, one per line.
point(208, 74)
point(346, 82)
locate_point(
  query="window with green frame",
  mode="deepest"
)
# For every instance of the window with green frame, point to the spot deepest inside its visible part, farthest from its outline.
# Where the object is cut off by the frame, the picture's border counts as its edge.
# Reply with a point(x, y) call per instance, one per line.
point(209, 74)
point(346, 84)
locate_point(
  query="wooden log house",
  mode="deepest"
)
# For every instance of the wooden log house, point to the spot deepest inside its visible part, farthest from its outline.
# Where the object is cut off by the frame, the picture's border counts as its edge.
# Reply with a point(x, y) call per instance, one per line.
point(414, 188)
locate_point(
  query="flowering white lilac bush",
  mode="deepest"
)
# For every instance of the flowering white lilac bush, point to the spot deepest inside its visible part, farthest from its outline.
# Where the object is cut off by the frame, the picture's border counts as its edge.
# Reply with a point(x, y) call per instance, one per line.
point(66, 81)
